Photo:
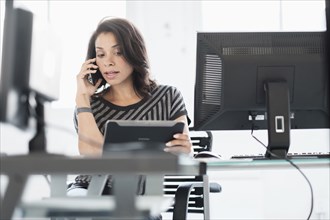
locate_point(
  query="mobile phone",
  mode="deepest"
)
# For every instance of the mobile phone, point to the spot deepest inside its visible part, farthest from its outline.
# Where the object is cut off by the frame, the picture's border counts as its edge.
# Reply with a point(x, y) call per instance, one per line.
point(94, 77)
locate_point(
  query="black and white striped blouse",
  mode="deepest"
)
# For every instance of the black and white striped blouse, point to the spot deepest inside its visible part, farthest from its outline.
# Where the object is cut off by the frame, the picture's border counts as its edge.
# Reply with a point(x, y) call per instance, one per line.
point(165, 103)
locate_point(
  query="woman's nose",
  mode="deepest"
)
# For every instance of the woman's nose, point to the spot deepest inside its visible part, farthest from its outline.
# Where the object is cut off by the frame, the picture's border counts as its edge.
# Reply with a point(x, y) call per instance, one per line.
point(109, 62)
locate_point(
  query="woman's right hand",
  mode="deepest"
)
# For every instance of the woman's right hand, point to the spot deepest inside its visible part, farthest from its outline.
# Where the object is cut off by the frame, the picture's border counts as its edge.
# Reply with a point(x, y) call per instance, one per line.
point(84, 88)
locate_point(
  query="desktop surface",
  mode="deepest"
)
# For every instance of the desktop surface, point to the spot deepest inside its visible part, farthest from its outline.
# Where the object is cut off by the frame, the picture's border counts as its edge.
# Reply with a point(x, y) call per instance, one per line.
point(249, 163)
point(309, 155)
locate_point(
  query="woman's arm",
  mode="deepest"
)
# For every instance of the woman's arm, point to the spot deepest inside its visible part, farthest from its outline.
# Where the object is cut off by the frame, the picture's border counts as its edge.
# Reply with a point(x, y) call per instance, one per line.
point(90, 139)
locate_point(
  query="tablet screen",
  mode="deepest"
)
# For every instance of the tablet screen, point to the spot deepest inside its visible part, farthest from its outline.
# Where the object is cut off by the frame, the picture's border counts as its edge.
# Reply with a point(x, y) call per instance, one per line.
point(125, 135)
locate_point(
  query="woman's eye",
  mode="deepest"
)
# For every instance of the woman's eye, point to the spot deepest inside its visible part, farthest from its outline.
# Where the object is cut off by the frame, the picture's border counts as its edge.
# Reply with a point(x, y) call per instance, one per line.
point(117, 53)
point(100, 55)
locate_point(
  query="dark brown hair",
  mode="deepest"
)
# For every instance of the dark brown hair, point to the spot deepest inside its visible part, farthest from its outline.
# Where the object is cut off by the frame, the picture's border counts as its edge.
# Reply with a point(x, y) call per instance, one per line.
point(132, 48)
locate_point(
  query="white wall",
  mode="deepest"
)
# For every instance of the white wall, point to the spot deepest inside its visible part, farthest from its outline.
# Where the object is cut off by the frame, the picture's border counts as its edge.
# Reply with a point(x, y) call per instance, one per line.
point(169, 28)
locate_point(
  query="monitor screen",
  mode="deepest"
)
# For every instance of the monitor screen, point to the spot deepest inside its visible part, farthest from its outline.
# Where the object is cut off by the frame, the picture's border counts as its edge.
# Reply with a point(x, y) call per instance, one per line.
point(46, 59)
point(15, 66)
point(31, 62)
point(242, 76)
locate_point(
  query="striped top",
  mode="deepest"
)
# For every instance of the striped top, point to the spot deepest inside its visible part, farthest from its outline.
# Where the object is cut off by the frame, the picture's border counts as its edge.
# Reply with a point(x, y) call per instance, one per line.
point(164, 103)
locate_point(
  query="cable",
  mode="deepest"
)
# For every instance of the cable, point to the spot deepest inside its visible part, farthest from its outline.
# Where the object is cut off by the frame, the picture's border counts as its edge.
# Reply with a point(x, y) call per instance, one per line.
point(293, 164)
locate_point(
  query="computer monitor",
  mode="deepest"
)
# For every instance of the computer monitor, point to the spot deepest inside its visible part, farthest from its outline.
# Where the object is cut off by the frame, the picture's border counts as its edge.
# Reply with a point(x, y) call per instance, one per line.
point(15, 66)
point(258, 80)
point(30, 71)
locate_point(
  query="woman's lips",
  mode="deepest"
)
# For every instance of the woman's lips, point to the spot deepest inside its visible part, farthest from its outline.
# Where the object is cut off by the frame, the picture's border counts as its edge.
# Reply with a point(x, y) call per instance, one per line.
point(111, 74)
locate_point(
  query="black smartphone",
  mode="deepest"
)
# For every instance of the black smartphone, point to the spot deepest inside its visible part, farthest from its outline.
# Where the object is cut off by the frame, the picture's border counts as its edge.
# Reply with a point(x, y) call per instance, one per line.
point(94, 77)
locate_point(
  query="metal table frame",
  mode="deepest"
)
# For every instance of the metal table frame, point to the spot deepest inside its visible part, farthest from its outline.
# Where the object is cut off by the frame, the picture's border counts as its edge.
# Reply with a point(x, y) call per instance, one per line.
point(122, 165)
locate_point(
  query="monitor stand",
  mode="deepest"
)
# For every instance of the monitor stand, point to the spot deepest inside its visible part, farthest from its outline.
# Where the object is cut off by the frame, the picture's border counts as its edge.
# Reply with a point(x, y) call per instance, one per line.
point(38, 143)
point(278, 119)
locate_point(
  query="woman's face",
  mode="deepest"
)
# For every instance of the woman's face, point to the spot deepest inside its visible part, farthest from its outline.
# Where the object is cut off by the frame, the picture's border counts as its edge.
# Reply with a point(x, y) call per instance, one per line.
point(113, 66)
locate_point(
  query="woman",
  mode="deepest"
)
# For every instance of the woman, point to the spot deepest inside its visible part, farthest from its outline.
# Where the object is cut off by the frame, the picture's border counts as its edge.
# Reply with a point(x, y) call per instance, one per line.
point(124, 91)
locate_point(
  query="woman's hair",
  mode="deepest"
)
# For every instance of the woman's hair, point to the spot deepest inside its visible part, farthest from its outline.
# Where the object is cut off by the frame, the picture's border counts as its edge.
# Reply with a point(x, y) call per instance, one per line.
point(133, 49)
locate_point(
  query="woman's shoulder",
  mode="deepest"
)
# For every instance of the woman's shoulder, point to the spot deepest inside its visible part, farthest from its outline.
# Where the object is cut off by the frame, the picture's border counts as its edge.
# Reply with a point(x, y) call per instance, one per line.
point(166, 88)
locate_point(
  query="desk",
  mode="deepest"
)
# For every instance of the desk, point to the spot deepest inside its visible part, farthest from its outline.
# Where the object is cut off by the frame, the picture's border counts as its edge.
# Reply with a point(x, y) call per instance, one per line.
point(269, 189)
point(249, 164)
point(122, 165)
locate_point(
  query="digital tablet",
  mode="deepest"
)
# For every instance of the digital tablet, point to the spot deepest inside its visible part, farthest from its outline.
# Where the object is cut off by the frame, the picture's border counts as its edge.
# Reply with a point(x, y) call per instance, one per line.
point(126, 135)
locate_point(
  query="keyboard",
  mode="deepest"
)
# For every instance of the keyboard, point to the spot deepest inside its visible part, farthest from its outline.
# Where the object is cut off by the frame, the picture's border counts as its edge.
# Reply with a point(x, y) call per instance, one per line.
point(289, 156)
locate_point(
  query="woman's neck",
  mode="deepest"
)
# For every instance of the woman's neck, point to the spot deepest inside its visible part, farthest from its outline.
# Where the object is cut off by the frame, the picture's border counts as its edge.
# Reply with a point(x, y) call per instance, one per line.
point(122, 96)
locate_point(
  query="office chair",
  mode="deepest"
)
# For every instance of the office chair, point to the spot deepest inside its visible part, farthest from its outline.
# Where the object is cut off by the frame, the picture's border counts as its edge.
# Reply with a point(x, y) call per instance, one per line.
point(191, 193)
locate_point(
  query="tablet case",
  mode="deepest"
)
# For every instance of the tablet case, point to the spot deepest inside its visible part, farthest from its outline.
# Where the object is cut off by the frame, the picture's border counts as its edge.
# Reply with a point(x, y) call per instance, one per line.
point(126, 135)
